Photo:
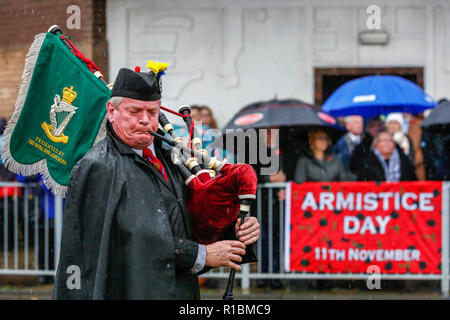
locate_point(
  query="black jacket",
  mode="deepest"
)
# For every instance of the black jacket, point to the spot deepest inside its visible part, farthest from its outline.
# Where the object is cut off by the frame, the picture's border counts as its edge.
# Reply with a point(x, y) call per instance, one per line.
point(436, 154)
point(371, 169)
point(126, 229)
point(360, 152)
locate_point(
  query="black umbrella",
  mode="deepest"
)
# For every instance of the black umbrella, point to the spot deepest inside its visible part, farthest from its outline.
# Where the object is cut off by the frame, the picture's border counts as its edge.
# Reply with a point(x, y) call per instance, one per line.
point(294, 118)
point(279, 113)
point(439, 118)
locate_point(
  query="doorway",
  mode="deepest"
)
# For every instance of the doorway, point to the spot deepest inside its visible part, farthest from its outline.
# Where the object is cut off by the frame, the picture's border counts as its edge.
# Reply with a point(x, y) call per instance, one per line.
point(327, 80)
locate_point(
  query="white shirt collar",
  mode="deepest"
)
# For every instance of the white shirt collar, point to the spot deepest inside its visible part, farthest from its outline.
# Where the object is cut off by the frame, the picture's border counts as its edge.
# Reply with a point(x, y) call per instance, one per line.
point(354, 138)
point(151, 147)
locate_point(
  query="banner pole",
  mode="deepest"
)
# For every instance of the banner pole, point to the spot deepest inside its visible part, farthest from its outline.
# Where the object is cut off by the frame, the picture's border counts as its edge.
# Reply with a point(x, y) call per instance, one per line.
point(58, 228)
point(445, 238)
point(287, 229)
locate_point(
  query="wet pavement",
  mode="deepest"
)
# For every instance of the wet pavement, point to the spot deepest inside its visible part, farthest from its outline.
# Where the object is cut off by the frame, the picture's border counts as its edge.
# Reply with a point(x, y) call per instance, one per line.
point(43, 292)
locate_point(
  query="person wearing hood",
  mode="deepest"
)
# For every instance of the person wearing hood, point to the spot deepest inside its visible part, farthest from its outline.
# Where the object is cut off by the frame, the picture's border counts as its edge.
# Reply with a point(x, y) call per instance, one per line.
point(320, 165)
point(394, 124)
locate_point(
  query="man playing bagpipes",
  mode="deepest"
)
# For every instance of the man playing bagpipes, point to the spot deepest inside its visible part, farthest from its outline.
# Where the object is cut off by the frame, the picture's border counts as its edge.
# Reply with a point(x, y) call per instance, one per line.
point(127, 229)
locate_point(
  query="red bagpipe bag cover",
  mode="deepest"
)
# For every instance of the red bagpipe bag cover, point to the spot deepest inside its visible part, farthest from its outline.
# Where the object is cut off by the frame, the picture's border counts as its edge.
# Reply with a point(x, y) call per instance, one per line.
point(214, 204)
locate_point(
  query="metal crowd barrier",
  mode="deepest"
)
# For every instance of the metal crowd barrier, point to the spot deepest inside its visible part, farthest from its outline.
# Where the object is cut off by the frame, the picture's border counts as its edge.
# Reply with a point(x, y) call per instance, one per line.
point(29, 241)
point(267, 203)
point(27, 233)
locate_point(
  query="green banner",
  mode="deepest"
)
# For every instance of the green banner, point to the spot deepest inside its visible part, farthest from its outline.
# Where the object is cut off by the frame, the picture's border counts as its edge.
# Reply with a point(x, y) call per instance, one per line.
point(58, 114)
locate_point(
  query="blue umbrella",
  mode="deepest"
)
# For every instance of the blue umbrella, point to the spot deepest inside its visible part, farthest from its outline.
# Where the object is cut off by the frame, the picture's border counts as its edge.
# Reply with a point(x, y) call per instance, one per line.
point(374, 95)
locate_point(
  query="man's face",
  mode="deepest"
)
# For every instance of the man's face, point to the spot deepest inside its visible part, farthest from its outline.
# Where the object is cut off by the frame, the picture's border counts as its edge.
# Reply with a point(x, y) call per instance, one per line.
point(133, 119)
point(374, 127)
point(385, 144)
point(355, 125)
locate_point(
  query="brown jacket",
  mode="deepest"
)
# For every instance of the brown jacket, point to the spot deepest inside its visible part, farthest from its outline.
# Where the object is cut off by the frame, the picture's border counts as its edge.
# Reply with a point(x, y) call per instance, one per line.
point(415, 133)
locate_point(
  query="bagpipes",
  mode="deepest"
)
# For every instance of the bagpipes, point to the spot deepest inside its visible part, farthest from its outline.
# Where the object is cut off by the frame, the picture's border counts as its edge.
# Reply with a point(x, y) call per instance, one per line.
point(221, 191)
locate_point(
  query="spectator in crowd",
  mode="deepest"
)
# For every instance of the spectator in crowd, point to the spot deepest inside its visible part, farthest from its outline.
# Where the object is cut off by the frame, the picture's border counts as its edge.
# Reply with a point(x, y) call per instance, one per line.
point(319, 164)
point(407, 120)
point(195, 113)
point(385, 161)
point(436, 153)
point(206, 116)
point(206, 132)
point(270, 141)
point(199, 116)
point(415, 134)
point(374, 126)
point(394, 124)
point(346, 144)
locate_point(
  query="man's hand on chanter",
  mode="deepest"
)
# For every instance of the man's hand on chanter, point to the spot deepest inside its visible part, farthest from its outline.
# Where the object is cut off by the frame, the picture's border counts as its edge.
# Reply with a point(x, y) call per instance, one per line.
point(225, 254)
point(250, 230)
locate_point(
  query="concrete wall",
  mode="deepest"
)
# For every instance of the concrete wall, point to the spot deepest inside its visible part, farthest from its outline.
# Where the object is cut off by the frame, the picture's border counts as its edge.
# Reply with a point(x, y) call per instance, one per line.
point(230, 53)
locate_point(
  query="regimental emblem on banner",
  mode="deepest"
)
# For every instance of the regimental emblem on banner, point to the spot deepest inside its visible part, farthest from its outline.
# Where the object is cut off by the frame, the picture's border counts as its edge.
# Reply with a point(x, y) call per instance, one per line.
point(56, 119)
point(61, 112)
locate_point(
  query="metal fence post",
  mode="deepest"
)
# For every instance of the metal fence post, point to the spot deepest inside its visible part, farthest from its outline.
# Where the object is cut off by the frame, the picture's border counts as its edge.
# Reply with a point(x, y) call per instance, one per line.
point(245, 278)
point(16, 229)
point(5, 230)
point(445, 238)
point(58, 228)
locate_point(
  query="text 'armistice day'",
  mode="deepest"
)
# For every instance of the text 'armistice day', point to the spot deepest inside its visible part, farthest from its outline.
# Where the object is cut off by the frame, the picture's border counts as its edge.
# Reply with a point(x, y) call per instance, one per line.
point(369, 201)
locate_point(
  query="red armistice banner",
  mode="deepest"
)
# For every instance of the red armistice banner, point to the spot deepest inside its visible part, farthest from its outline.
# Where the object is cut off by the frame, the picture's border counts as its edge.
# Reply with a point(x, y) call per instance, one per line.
point(346, 227)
